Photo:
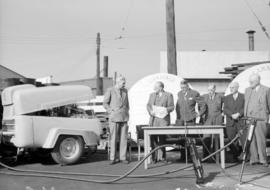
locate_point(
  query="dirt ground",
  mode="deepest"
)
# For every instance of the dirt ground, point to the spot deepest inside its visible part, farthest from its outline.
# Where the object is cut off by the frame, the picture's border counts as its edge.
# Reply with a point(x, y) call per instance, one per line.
point(255, 177)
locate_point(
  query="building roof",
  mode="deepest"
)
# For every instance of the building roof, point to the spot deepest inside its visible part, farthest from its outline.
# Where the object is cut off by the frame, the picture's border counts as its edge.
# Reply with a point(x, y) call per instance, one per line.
point(91, 82)
point(208, 64)
point(8, 73)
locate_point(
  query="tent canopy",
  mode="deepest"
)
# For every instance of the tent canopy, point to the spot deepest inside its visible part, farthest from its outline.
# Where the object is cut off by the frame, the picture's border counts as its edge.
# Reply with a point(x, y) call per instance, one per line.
point(243, 78)
point(139, 95)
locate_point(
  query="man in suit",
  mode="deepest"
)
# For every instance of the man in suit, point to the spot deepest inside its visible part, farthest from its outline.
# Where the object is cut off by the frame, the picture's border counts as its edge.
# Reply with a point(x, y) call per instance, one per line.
point(185, 107)
point(257, 104)
point(234, 110)
point(213, 114)
point(214, 102)
point(117, 105)
point(163, 99)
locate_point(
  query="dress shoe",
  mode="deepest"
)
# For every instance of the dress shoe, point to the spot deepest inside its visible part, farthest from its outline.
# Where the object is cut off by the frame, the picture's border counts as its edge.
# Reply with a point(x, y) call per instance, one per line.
point(165, 161)
point(153, 161)
point(114, 162)
point(254, 163)
point(264, 164)
point(240, 158)
point(124, 161)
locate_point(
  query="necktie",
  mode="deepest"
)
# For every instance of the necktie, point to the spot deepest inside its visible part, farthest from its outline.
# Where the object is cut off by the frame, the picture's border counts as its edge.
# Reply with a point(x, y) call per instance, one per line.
point(121, 93)
point(185, 96)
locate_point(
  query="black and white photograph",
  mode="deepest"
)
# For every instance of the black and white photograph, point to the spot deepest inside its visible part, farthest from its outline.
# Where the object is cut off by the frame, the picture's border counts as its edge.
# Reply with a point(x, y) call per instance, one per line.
point(135, 94)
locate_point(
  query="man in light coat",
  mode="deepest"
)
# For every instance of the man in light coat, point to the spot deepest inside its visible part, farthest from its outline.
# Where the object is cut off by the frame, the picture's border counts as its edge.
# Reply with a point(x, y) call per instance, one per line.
point(117, 105)
point(163, 99)
point(257, 104)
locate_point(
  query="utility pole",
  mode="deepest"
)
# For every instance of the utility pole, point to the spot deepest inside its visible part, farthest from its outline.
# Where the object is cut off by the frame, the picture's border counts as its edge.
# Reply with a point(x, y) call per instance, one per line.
point(171, 41)
point(99, 86)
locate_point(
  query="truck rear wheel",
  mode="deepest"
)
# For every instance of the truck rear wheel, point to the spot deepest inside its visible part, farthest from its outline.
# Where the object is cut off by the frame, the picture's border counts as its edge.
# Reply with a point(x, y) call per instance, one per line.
point(68, 150)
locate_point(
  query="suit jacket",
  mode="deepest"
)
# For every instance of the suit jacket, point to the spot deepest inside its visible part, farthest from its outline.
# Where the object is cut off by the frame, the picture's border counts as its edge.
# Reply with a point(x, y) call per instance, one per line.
point(166, 100)
point(185, 106)
point(232, 106)
point(214, 107)
point(117, 105)
point(263, 104)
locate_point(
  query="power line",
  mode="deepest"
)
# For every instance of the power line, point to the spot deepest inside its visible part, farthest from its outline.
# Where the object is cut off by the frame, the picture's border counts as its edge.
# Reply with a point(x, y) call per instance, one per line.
point(124, 25)
point(258, 19)
point(188, 33)
point(128, 14)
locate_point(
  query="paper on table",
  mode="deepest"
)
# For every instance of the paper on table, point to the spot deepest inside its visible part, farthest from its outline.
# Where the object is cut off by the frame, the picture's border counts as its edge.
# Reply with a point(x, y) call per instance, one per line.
point(159, 111)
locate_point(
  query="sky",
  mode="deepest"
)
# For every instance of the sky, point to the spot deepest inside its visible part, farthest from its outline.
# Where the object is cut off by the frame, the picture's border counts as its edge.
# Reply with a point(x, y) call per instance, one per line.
point(39, 38)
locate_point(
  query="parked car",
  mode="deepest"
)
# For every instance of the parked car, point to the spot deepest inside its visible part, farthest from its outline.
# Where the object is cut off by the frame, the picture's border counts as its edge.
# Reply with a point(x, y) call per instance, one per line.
point(47, 118)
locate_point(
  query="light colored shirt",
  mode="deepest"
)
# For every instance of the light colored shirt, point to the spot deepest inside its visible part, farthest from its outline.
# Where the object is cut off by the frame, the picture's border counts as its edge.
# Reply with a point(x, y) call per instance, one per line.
point(235, 96)
point(212, 96)
point(257, 88)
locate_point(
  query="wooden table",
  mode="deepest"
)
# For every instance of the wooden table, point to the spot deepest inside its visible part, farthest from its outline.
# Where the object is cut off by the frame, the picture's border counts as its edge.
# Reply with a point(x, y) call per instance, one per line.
point(180, 130)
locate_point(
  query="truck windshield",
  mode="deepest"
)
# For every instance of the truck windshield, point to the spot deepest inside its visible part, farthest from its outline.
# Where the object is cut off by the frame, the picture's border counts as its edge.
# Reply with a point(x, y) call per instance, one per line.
point(71, 110)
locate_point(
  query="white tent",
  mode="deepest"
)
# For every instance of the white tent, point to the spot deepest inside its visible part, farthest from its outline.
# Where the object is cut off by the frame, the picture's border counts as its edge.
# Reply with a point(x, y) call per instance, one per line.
point(263, 70)
point(139, 95)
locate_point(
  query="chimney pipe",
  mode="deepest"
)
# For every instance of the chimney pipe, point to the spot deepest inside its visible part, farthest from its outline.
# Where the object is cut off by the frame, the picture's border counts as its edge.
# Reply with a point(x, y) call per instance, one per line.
point(99, 82)
point(251, 39)
point(105, 66)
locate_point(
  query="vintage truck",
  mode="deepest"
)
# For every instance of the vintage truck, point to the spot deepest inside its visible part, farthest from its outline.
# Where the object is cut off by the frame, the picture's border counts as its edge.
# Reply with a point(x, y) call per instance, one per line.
point(47, 118)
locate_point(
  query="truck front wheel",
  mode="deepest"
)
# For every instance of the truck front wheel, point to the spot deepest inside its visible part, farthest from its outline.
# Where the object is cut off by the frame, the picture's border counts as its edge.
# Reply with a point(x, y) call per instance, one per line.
point(68, 150)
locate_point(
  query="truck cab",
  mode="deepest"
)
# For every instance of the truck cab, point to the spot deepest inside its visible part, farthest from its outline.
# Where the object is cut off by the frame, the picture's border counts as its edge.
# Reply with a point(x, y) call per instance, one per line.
point(48, 118)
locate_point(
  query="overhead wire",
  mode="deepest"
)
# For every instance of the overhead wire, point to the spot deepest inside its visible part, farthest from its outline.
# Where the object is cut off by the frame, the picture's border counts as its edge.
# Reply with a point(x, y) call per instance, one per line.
point(258, 19)
point(124, 25)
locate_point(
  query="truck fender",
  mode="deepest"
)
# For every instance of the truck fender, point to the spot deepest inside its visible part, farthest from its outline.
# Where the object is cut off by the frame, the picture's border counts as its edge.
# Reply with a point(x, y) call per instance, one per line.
point(54, 134)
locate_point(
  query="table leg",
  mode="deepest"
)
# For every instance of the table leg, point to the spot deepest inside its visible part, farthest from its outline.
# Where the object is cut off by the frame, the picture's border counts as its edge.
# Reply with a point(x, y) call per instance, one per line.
point(146, 149)
point(216, 147)
point(222, 153)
